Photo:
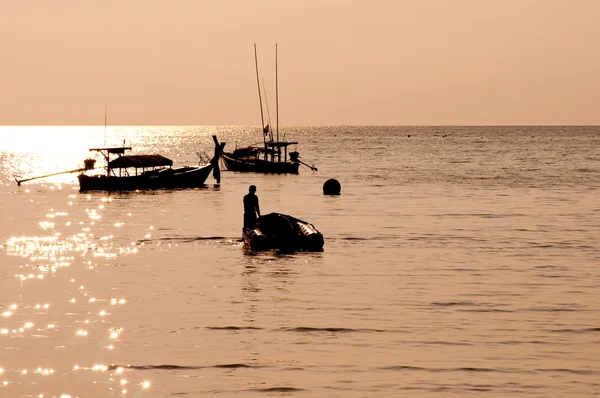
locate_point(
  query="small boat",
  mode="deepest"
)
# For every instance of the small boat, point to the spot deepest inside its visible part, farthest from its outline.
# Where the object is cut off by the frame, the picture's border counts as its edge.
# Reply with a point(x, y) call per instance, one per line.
point(139, 172)
point(283, 232)
point(263, 159)
point(270, 156)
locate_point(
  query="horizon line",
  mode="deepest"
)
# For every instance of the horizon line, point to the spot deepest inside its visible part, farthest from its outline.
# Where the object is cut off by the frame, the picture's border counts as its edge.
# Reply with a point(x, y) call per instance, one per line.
point(301, 125)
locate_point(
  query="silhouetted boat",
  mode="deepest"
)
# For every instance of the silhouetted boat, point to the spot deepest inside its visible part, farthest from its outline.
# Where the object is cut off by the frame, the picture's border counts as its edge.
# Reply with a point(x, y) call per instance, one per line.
point(272, 155)
point(283, 232)
point(139, 172)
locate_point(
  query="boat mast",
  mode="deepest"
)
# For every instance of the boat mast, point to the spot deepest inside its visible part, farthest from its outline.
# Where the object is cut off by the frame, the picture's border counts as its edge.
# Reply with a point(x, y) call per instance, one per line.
point(264, 91)
point(276, 94)
point(107, 157)
point(105, 110)
point(262, 118)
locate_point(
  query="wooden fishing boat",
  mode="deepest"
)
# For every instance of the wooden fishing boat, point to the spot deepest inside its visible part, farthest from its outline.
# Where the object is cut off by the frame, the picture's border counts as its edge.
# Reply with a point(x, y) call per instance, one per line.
point(139, 172)
point(156, 173)
point(282, 232)
point(270, 158)
point(272, 155)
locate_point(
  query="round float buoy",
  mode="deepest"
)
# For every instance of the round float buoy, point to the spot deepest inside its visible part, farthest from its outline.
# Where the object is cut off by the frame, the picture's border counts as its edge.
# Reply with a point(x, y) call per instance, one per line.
point(332, 187)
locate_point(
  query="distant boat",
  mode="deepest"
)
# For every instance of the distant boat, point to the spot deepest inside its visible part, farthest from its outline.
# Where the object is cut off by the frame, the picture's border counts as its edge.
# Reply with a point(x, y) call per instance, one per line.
point(270, 156)
point(140, 172)
point(282, 232)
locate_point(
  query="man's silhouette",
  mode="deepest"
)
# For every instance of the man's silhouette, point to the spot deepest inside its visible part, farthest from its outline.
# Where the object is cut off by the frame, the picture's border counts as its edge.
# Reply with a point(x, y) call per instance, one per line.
point(251, 209)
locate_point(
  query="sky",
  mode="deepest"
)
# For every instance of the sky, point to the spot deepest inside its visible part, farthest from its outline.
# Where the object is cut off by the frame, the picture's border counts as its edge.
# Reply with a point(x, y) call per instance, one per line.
point(340, 62)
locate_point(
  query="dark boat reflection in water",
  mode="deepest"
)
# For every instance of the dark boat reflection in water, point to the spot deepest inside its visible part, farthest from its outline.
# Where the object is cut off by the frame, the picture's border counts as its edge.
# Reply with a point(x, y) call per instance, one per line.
point(283, 232)
point(138, 172)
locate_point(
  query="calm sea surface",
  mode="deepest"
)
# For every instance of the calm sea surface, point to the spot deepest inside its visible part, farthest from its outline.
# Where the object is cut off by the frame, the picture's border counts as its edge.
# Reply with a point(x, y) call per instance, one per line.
point(458, 261)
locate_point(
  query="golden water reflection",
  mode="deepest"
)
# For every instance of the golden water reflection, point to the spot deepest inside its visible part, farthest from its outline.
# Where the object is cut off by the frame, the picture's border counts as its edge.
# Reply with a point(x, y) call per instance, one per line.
point(55, 300)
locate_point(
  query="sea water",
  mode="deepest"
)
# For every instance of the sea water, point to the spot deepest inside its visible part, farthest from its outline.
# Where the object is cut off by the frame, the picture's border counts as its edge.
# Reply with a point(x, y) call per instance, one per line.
point(457, 261)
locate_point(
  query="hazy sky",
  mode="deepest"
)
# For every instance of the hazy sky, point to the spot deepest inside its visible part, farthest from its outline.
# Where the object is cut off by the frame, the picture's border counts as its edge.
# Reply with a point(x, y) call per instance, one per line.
point(353, 62)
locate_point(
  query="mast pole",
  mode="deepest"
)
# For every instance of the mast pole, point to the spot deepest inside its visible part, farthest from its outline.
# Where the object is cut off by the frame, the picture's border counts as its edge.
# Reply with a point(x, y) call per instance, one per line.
point(262, 118)
point(105, 110)
point(276, 93)
point(264, 91)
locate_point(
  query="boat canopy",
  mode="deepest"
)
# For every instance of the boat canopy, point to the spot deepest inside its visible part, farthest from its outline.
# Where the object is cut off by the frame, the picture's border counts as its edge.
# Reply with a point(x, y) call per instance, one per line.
point(114, 150)
point(279, 144)
point(139, 161)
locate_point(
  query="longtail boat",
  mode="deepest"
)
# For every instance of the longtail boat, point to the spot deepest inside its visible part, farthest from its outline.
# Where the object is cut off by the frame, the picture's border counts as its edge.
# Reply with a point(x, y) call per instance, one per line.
point(139, 172)
point(270, 156)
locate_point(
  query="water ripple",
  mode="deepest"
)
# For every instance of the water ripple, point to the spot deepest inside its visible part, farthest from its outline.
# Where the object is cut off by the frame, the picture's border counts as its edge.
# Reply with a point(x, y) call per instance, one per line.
point(186, 239)
point(306, 329)
point(183, 367)
point(585, 330)
point(468, 369)
point(276, 389)
point(231, 328)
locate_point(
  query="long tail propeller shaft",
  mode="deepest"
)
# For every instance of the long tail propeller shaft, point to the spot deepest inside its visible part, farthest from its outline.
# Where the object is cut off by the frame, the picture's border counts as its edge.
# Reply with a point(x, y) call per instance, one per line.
point(88, 165)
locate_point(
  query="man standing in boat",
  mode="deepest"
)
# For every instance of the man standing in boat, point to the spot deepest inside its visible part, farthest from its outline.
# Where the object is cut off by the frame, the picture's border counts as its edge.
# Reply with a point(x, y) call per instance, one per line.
point(251, 208)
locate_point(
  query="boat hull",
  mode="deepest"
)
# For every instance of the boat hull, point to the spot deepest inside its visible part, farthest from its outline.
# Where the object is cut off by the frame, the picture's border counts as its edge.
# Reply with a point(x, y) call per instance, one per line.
point(254, 165)
point(186, 177)
point(283, 232)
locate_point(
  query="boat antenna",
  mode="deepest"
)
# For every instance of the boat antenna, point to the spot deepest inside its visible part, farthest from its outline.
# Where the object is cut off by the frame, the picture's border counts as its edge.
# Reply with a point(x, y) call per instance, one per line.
point(276, 94)
point(105, 110)
point(262, 118)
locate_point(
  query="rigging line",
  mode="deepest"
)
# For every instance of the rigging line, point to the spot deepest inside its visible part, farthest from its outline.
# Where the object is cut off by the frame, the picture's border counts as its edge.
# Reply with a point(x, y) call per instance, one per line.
point(262, 118)
point(268, 111)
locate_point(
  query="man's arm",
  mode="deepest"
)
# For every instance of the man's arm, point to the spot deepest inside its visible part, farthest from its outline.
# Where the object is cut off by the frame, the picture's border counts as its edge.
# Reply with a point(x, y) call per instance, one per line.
point(257, 207)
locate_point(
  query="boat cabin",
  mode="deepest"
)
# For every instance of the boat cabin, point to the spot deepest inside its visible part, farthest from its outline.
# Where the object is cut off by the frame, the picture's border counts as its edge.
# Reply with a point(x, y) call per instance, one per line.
point(272, 152)
point(273, 148)
point(140, 163)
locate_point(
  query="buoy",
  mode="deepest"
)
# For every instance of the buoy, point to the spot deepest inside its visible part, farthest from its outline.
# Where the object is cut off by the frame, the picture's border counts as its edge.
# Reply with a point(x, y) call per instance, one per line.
point(332, 187)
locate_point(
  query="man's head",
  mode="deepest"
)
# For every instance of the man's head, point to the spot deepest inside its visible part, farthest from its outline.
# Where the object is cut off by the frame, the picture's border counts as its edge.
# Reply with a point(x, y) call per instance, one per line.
point(252, 189)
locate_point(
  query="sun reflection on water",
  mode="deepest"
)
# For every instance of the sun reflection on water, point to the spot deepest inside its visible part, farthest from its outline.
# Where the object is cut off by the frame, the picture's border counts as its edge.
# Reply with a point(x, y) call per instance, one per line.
point(57, 251)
